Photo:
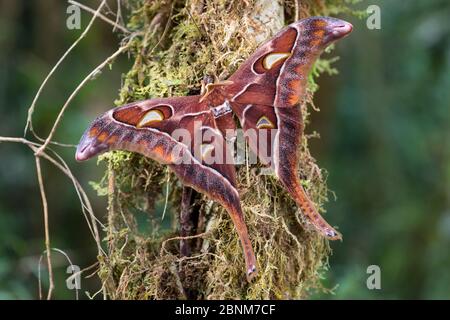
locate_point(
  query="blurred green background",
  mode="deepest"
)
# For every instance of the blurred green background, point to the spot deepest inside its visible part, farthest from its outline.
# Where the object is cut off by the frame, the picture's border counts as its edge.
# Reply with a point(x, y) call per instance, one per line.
point(385, 141)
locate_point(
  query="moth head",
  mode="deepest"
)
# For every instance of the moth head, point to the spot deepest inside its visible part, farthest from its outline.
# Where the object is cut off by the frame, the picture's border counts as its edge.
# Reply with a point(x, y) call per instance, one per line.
point(323, 31)
point(95, 140)
point(106, 132)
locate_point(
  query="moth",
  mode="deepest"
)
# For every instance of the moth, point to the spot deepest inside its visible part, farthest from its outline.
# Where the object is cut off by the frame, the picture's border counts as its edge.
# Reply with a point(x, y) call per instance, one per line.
point(265, 94)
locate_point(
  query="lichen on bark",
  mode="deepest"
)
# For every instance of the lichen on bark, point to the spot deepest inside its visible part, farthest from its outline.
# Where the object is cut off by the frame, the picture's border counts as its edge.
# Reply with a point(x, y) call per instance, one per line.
point(177, 44)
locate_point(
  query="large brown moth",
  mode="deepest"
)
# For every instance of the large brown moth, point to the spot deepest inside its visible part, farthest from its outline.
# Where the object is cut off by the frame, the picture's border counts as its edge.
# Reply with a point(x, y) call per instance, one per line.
point(265, 93)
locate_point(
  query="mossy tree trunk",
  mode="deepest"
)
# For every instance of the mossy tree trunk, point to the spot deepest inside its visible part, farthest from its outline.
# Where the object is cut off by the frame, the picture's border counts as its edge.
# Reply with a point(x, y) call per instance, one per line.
point(177, 44)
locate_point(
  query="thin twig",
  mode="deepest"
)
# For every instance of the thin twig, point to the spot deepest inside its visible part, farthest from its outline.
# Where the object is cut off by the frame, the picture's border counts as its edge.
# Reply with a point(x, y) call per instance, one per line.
point(29, 123)
point(166, 29)
point(82, 196)
point(55, 159)
point(119, 14)
point(111, 201)
point(167, 195)
point(68, 260)
point(78, 273)
point(75, 92)
point(200, 235)
point(63, 167)
point(85, 203)
point(46, 226)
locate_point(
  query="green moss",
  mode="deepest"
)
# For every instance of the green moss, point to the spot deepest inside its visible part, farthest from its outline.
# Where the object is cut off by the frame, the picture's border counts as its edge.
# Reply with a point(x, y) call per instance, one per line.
point(176, 46)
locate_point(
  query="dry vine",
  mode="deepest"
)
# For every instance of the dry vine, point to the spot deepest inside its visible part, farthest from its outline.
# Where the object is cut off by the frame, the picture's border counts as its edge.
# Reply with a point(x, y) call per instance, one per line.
point(40, 148)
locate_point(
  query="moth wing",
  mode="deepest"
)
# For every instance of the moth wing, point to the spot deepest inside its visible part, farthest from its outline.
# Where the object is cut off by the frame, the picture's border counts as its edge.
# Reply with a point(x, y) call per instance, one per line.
point(274, 135)
point(276, 74)
point(256, 79)
point(266, 93)
point(182, 133)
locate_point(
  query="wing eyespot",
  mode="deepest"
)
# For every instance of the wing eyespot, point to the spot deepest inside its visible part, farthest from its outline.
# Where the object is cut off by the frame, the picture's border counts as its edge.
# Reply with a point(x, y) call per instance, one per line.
point(273, 58)
point(264, 123)
point(150, 118)
point(269, 61)
point(141, 116)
